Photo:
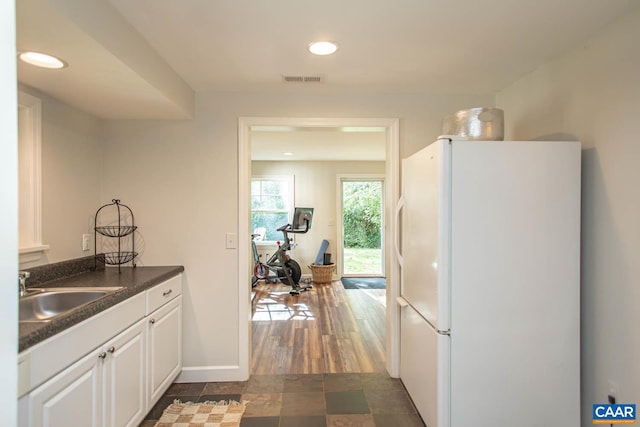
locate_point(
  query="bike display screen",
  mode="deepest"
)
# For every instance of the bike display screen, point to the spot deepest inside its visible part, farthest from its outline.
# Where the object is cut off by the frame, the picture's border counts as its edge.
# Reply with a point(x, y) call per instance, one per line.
point(302, 219)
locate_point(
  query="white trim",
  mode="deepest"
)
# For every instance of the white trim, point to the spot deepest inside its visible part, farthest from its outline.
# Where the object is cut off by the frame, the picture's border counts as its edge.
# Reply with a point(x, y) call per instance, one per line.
point(32, 249)
point(32, 254)
point(8, 214)
point(267, 243)
point(244, 250)
point(392, 191)
point(194, 374)
point(377, 177)
point(392, 268)
point(31, 145)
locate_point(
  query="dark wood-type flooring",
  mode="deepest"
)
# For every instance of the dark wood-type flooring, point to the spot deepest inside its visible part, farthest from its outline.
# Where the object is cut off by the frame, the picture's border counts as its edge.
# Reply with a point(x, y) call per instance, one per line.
point(324, 330)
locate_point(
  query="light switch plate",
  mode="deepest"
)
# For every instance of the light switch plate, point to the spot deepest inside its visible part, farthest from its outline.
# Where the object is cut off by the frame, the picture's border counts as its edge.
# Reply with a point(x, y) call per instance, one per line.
point(86, 239)
point(231, 240)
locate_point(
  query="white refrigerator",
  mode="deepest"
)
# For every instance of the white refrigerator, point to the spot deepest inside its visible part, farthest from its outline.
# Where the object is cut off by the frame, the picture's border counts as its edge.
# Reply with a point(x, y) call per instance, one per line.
point(490, 284)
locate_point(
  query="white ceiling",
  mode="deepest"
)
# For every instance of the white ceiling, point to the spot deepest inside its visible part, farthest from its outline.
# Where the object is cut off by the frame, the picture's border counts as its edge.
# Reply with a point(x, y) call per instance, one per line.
point(138, 59)
point(327, 144)
point(112, 72)
point(462, 46)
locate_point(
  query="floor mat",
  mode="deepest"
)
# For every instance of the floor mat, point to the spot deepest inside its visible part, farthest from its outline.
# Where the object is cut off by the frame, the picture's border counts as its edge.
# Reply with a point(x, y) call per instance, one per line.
point(364, 282)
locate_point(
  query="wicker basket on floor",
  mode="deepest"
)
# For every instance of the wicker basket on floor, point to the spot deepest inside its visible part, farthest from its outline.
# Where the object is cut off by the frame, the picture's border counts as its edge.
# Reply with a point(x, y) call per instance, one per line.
point(322, 273)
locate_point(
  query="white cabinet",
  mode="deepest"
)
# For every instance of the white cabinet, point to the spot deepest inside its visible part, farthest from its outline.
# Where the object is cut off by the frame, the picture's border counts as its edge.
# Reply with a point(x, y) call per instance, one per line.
point(73, 397)
point(124, 399)
point(105, 388)
point(164, 336)
point(164, 340)
point(92, 376)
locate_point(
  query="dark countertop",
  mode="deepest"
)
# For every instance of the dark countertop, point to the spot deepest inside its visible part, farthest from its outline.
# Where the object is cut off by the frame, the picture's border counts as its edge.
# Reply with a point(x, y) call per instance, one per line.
point(133, 280)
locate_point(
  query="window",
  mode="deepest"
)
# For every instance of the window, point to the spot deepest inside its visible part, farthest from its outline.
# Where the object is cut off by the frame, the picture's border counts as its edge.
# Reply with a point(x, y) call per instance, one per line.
point(271, 205)
point(29, 181)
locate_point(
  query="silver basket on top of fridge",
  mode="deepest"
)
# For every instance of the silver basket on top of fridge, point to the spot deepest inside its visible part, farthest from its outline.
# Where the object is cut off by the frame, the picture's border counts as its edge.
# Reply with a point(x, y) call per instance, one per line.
point(481, 123)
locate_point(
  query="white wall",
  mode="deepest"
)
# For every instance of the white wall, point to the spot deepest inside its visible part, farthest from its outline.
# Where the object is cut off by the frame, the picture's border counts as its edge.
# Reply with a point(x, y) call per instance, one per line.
point(593, 94)
point(71, 170)
point(8, 216)
point(315, 186)
point(180, 178)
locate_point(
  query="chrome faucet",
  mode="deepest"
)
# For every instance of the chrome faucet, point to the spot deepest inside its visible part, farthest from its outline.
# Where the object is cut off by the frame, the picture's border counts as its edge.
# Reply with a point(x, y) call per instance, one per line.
point(22, 280)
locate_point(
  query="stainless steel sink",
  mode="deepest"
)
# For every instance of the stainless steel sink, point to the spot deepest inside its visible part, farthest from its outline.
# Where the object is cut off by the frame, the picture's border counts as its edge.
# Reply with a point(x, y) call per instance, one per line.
point(42, 305)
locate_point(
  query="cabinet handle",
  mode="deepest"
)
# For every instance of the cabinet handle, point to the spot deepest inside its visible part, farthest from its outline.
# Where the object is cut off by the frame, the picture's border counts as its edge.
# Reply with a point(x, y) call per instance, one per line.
point(164, 294)
point(112, 350)
point(152, 321)
point(102, 355)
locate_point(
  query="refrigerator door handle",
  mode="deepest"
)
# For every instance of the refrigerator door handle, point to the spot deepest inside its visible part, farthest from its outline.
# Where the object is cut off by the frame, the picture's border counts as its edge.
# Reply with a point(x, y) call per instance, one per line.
point(404, 303)
point(396, 241)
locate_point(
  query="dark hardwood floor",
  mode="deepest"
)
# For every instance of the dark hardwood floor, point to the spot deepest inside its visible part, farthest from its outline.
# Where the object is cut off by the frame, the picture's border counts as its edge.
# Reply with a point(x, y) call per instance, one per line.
point(324, 330)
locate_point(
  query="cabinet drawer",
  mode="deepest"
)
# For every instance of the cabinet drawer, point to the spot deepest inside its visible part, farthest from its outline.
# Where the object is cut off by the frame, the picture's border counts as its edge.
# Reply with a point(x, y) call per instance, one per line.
point(163, 293)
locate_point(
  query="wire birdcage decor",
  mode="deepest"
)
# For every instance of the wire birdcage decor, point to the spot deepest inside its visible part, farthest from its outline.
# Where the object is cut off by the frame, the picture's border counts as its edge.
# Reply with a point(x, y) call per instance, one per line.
point(115, 221)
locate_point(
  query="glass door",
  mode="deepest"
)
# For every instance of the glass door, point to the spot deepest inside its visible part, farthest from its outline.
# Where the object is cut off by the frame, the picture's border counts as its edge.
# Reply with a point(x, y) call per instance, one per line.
point(362, 227)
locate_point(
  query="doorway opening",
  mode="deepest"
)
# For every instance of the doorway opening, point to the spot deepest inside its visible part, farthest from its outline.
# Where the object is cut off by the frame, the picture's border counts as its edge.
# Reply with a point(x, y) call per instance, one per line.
point(362, 232)
point(249, 127)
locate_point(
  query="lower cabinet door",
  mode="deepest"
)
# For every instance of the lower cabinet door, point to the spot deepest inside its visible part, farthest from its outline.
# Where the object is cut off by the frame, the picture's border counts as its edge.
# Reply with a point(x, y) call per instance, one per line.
point(124, 378)
point(164, 348)
point(71, 398)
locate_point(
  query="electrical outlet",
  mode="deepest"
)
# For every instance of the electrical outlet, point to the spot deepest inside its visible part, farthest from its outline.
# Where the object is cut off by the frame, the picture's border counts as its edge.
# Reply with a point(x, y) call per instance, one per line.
point(614, 391)
point(86, 239)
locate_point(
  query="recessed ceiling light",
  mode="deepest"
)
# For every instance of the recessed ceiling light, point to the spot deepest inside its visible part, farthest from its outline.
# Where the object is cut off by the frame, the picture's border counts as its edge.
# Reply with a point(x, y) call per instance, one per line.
point(288, 153)
point(322, 48)
point(42, 60)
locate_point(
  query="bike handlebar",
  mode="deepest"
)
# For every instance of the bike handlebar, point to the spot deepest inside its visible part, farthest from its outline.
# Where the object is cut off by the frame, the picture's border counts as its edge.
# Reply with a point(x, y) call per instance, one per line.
point(289, 228)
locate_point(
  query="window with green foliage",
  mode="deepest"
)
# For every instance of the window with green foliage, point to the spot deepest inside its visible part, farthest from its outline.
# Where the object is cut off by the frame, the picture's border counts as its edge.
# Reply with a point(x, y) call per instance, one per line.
point(271, 204)
point(362, 216)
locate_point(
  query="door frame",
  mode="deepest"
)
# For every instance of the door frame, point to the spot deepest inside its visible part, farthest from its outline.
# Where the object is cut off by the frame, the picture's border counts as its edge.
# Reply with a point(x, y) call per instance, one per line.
point(392, 192)
point(340, 211)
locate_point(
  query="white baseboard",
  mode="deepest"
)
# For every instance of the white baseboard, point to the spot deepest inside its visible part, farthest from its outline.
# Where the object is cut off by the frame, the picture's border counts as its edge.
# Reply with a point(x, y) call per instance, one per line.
point(206, 374)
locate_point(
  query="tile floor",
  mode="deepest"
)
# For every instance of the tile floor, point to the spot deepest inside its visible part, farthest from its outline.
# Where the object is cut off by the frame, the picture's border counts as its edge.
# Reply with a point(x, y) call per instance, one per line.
point(313, 400)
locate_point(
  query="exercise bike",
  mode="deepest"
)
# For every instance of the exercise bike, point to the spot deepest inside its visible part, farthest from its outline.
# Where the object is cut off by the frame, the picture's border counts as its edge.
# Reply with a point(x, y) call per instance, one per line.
point(287, 269)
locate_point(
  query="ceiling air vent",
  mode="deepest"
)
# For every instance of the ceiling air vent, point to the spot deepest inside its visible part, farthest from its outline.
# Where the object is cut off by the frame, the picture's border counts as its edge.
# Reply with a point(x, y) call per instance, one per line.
point(301, 79)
